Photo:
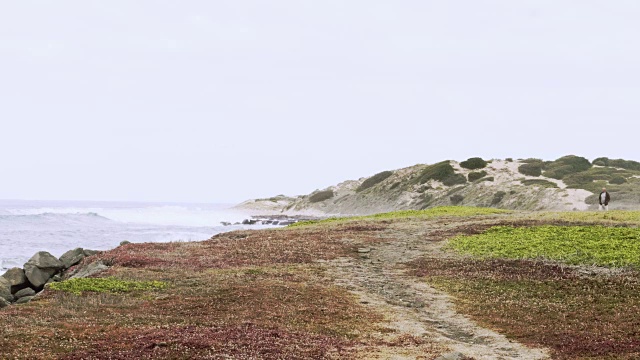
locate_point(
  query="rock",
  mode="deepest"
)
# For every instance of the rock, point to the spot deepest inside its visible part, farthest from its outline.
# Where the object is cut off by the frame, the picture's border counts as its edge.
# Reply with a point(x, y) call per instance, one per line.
point(225, 223)
point(72, 257)
point(88, 252)
point(15, 276)
point(451, 356)
point(364, 250)
point(41, 267)
point(24, 300)
point(5, 290)
point(125, 242)
point(4, 303)
point(25, 292)
point(38, 277)
point(91, 269)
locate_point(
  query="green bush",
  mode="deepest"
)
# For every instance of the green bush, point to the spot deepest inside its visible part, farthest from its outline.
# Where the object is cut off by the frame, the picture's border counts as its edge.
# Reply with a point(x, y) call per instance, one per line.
point(456, 199)
point(618, 163)
point(474, 163)
point(508, 159)
point(473, 176)
point(374, 180)
point(321, 196)
point(566, 165)
point(497, 197)
point(531, 169)
point(438, 171)
point(455, 179)
point(539, 183)
point(488, 178)
point(533, 161)
point(618, 180)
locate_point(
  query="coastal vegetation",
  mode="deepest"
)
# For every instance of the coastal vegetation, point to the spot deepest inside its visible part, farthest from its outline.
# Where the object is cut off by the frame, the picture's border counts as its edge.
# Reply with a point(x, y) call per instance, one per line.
point(474, 163)
point(374, 180)
point(476, 175)
point(110, 284)
point(567, 183)
point(564, 284)
point(576, 245)
point(321, 196)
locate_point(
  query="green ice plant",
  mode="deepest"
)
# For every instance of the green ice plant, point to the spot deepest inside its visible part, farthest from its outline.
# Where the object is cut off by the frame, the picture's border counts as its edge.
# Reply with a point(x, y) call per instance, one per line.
point(110, 284)
point(578, 245)
point(454, 211)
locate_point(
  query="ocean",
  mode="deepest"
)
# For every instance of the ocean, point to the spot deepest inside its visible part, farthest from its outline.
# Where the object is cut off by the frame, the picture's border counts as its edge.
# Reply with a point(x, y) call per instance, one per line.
point(27, 227)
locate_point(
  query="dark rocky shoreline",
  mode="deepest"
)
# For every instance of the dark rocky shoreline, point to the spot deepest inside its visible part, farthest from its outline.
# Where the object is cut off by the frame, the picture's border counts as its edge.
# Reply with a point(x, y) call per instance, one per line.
point(280, 220)
point(21, 285)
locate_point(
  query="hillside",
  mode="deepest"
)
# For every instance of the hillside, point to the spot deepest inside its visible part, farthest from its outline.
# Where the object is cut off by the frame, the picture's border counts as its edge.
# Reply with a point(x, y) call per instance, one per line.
point(567, 183)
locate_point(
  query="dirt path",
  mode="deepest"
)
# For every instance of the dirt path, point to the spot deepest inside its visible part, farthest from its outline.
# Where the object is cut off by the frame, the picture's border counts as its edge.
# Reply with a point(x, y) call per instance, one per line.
point(413, 307)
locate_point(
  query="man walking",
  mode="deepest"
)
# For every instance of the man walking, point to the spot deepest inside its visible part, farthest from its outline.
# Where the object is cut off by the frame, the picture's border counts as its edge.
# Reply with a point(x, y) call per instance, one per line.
point(604, 199)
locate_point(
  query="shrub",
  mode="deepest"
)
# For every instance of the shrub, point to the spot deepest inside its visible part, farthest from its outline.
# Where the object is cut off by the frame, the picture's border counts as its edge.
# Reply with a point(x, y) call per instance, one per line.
point(531, 169)
point(474, 163)
point(321, 196)
point(473, 176)
point(454, 179)
point(508, 159)
point(374, 180)
point(456, 199)
point(532, 161)
point(439, 171)
point(619, 163)
point(497, 197)
point(618, 180)
point(566, 165)
point(488, 178)
point(539, 183)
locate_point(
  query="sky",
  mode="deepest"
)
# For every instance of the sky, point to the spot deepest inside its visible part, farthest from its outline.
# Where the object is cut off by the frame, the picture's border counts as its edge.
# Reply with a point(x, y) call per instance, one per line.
point(223, 101)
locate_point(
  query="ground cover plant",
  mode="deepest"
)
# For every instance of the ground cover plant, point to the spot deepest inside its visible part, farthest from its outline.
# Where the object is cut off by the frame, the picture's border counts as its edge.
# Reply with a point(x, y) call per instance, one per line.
point(578, 245)
point(541, 304)
point(540, 183)
point(253, 294)
point(454, 211)
point(615, 217)
point(111, 284)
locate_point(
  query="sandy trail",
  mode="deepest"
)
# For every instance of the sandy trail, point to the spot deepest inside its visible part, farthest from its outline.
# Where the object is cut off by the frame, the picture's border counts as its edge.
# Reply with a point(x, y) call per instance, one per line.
point(413, 307)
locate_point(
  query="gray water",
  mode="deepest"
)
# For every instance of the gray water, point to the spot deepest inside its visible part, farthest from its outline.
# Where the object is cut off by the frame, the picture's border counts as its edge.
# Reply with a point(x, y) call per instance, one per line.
point(27, 227)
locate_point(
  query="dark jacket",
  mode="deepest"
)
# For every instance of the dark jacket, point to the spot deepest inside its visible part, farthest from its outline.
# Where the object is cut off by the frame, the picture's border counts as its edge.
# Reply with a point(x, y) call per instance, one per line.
point(607, 198)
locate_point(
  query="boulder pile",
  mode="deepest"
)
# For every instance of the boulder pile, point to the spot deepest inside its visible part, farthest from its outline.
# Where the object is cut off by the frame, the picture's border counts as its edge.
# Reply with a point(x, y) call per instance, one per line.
point(20, 285)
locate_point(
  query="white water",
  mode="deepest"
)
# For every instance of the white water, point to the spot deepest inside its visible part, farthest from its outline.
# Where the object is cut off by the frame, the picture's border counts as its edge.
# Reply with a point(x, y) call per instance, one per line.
point(27, 227)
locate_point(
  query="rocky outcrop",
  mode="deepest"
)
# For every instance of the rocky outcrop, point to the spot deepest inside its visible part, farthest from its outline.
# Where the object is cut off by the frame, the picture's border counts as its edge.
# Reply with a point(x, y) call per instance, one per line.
point(16, 278)
point(41, 267)
point(5, 290)
point(20, 286)
point(72, 257)
point(89, 270)
point(25, 292)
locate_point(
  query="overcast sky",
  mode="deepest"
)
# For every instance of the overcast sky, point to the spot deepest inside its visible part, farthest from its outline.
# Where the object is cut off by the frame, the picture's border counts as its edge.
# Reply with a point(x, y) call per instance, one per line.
point(221, 101)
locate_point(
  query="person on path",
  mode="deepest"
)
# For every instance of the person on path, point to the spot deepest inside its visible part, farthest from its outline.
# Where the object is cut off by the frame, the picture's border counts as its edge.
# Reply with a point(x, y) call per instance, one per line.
point(604, 199)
